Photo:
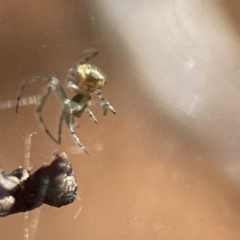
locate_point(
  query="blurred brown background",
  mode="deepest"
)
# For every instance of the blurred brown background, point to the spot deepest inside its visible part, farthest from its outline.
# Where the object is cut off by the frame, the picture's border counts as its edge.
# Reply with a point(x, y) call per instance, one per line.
point(167, 166)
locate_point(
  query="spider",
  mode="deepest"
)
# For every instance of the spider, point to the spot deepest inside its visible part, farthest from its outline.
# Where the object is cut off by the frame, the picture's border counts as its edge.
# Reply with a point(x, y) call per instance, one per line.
point(83, 79)
point(87, 77)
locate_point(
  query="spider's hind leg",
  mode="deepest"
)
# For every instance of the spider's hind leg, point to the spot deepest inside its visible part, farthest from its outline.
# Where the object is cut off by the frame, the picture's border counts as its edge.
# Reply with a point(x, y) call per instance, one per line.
point(71, 128)
point(54, 85)
point(74, 123)
point(39, 112)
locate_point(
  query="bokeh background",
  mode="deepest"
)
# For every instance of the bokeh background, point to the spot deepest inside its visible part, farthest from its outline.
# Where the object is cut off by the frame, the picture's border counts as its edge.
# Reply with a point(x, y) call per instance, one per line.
point(167, 165)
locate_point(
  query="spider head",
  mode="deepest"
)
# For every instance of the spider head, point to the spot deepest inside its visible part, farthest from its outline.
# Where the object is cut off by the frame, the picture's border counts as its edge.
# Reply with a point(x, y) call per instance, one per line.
point(89, 77)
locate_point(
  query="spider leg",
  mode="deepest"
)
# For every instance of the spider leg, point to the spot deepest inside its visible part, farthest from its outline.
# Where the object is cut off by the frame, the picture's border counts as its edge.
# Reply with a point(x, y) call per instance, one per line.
point(25, 82)
point(73, 122)
point(73, 86)
point(60, 126)
point(88, 58)
point(90, 113)
point(56, 86)
point(71, 128)
point(99, 104)
point(107, 103)
point(39, 112)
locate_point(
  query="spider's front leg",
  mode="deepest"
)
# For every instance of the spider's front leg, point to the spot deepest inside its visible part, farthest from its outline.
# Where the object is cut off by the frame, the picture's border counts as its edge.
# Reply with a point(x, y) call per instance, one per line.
point(106, 103)
point(99, 104)
point(91, 115)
